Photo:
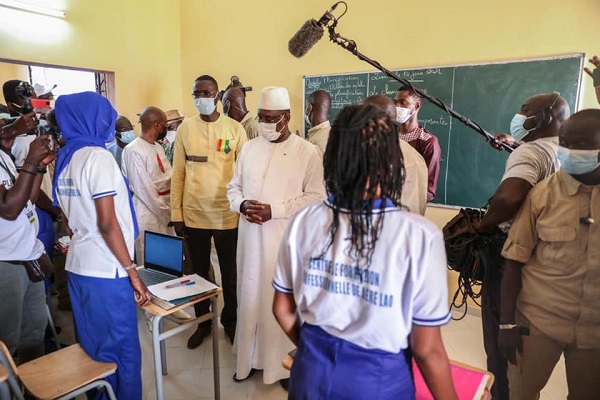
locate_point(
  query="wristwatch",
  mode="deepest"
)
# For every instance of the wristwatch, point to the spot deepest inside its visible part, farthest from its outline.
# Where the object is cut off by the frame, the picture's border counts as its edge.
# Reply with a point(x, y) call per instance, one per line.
point(132, 266)
point(507, 326)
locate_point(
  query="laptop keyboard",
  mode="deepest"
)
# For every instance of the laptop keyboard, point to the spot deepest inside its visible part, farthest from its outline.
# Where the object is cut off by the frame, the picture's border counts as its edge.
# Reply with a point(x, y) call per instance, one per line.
point(152, 277)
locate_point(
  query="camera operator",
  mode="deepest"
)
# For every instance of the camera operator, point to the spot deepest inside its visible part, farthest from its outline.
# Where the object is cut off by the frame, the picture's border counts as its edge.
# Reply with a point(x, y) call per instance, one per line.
point(18, 95)
point(23, 124)
point(23, 305)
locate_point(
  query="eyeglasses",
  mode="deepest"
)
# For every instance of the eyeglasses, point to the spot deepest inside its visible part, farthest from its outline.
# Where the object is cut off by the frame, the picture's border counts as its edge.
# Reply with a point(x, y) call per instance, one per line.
point(271, 119)
point(204, 93)
point(125, 129)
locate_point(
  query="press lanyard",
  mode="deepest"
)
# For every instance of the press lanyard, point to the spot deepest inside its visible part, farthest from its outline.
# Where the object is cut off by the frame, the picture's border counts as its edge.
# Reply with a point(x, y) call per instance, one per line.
point(5, 167)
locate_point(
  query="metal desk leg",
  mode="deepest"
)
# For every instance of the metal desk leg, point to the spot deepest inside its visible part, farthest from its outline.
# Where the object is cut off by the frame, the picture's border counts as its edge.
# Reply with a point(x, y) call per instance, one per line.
point(163, 349)
point(215, 337)
point(158, 355)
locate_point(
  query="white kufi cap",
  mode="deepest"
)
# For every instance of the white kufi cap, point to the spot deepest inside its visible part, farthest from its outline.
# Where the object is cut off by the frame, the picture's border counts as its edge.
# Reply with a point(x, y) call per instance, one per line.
point(274, 98)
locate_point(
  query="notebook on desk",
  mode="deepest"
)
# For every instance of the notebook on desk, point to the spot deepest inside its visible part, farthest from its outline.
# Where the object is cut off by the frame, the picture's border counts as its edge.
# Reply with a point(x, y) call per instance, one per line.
point(163, 267)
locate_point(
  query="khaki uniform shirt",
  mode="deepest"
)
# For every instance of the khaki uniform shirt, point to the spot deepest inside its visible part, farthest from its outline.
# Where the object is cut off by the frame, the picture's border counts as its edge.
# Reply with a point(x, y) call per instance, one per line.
point(533, 161)
point(203, 164)
point(561, 276)
point(318, 135)
point(250, 125)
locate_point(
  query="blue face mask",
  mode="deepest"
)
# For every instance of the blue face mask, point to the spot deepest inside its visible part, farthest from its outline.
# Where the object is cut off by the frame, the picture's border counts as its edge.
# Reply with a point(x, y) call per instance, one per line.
point(127, 136)
point(206, 105)
point(578, 162)
point(111, 145)
point(517, 130)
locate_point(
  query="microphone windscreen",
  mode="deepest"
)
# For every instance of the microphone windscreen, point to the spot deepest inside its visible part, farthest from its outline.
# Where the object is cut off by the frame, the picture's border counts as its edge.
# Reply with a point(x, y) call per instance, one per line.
point(307, 36)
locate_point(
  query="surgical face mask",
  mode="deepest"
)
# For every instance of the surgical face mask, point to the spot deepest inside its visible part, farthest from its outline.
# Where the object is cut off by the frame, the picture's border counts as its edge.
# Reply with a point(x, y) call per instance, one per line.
point(127, 136)
point(307, 115)
point(171, 136)
point(517, 130)
point(111, 145)
point(578, 162)
point(206, 105)
point(403, 114)
point(228, 106)
point(268, 130)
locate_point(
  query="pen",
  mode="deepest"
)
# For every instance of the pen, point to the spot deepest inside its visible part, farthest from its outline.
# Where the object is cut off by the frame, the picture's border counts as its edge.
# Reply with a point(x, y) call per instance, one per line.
point(180, 284)
point(172, 285)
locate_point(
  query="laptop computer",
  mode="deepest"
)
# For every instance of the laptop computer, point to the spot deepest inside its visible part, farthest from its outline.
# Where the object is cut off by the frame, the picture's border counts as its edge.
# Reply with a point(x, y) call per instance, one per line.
point(163, 258)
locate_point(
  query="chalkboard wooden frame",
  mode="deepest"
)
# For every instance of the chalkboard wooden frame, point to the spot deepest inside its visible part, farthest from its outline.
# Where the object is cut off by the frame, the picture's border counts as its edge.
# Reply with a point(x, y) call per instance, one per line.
point(471, 169)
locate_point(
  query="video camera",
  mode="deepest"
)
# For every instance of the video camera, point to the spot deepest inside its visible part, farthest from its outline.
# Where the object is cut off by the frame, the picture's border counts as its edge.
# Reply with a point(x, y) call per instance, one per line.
point(25, 90)
point(42, 107)
point(235, 82)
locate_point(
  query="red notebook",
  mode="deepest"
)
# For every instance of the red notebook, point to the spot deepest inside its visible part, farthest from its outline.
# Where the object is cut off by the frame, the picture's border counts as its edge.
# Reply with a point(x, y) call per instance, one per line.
point(470, 383)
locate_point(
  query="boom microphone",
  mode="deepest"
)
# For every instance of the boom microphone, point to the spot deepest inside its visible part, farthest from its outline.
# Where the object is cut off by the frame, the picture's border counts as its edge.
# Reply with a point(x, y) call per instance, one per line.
point(309, 34)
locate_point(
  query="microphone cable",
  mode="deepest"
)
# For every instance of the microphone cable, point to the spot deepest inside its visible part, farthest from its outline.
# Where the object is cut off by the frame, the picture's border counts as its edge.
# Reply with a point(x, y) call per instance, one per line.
point(474, 256)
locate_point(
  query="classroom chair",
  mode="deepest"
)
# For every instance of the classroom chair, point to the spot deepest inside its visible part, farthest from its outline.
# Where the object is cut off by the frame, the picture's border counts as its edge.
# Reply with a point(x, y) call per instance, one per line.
point(64, 374)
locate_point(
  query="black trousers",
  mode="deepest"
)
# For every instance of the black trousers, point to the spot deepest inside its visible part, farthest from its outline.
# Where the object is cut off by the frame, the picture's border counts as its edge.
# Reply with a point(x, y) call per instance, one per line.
point(490, 320)
point(226, 245)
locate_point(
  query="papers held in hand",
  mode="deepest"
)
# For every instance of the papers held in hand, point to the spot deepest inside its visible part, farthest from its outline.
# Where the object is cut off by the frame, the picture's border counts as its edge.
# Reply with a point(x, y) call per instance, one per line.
point(187, 286)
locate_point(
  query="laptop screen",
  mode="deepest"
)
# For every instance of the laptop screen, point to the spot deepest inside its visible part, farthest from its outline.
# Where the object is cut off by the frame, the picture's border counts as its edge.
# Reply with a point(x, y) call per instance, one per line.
point(163, 253)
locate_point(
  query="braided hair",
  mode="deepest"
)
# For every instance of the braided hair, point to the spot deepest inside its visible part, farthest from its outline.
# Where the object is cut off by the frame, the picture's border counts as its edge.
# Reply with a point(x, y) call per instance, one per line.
point(363, 162)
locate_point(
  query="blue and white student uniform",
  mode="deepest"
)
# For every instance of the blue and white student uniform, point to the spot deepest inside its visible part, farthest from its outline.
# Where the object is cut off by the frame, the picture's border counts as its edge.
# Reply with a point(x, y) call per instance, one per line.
point(101, 294)
point(357, 319)
point(23, 305)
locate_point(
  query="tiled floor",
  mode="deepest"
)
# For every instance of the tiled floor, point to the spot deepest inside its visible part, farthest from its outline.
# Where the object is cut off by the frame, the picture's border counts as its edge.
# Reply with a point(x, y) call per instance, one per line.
point(464, 342)
point(191, 371)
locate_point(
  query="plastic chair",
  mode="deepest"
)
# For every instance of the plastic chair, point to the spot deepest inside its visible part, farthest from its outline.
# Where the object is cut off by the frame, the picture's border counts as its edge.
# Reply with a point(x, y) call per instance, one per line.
point(64, 374)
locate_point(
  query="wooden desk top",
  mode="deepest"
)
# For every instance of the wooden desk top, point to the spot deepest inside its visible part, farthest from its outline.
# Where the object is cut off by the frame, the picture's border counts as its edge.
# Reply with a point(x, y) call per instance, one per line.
point(156, 310)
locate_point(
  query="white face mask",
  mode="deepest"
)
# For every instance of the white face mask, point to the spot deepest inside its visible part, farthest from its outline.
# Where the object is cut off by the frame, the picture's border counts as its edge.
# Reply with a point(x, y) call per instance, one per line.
point(206, 105)
point(268, 130)
point(403, 114)
point(307, 116)
point(171, 136)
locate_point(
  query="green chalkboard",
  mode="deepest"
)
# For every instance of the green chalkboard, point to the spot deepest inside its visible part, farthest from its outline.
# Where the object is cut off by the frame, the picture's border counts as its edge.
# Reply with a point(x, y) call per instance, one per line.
point(489, 94)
